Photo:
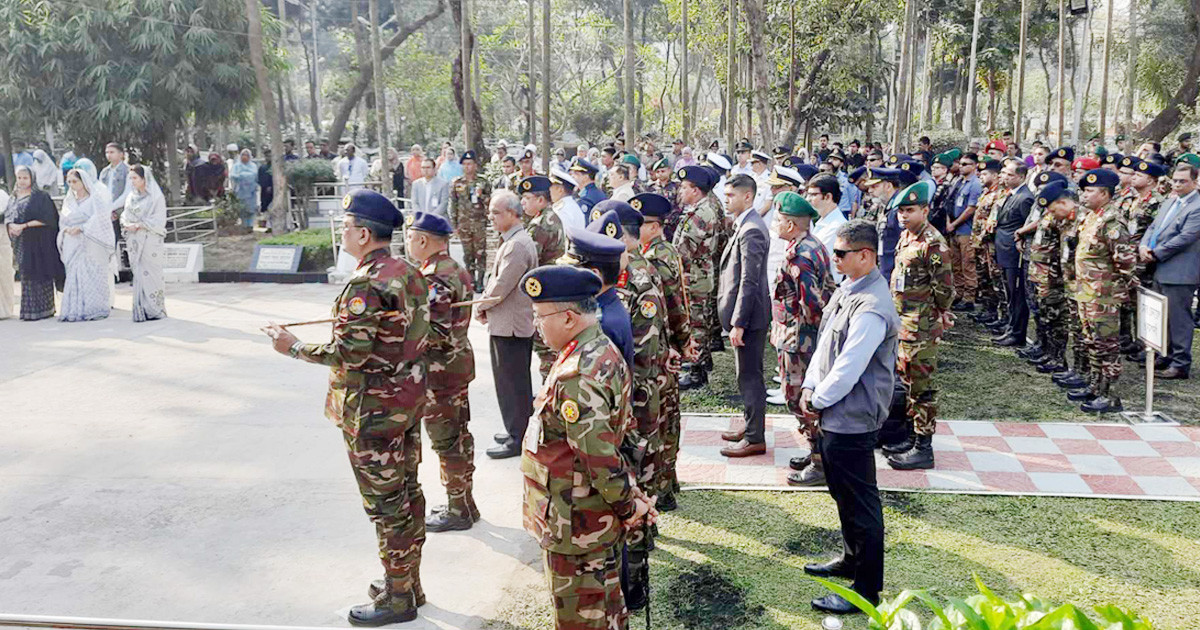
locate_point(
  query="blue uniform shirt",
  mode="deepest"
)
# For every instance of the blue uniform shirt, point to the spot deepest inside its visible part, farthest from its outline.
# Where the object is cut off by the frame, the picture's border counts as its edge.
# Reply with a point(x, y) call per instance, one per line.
point(968, 196)
point(615, 322)
point(889, 238)
point(588, 197)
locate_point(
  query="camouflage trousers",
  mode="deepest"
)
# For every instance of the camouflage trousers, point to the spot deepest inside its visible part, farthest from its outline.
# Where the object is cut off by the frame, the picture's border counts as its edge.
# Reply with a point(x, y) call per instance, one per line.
point(1052, 317)
point(996, 275)
point(665, 480)
point(447, 413)
point(985, 291)
point(915, 364)
point(647, 414)
point(1101, 329)
point(385, 467)
point(962, 264)
point(702, 330)
point(586, 590)
point(792, 366)
point(472, 233)
point(1079, 349)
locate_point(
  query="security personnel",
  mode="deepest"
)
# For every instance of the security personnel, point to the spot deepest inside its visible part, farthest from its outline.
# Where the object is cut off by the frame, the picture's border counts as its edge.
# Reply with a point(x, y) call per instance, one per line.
point(602, 254)
point(1104, 270)
point(470, 196)
point(640, 290)
point(802, 286)
point(1076, 376)
point(698, 239)
point(546, 230)
point(662, 183)
point(884, 185)
point(1046, 258)
point(1061, 160)
point(451, 368)
point(581, 499)
point(677, 337)
point(562, 188)
point(869, 209)
point(991, 202)
point(1139, 206)
point(377, 395)
point(586, 193)
point(923, 288)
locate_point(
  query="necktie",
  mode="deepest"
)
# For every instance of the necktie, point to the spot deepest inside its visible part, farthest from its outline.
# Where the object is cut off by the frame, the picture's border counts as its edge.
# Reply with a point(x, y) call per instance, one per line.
point(1167, 219)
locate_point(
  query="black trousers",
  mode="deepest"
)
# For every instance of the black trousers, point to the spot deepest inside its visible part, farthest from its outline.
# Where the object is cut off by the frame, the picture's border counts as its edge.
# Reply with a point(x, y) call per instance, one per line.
point(849, 460)
point(1179, 323)
point(748, 360)
point(1018, 307)
point(514, 387)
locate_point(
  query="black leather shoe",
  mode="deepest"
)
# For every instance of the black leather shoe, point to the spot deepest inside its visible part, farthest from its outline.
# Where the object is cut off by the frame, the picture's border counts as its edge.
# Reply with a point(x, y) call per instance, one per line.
point(377, 587)
point(386, 609)
point(1102, 404)
point(834, 568)
point(1171, 374)
point(1011, 341)
point(502, 438)
point(1073, 382)
point(447, 522)
point(799, 463)
point(1030, 353)
point(1000, 330)
point(1081, 394)
point(898, 447)
point(666, 502)
point(504, 451)
point(836, 604)
point(717, 343)
point(1050, 366)
point(984, 317)
point(693, 380)
point(919, 457)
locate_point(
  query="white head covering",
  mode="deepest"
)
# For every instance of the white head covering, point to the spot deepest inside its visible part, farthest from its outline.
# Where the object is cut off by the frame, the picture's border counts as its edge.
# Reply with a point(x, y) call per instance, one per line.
point(44, 168)
point(152, 187)
point(98, 191)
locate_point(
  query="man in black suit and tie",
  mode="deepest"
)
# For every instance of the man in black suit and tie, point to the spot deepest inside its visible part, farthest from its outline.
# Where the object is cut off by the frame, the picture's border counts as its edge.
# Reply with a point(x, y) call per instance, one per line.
point(1010, 219)
point(744, 308)
point(1172, 243)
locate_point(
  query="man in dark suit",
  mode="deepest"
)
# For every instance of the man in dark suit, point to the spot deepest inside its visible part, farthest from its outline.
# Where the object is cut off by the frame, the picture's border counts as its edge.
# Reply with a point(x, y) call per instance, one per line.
point(1173, 243)
point(745, 311)
point(1010, 219)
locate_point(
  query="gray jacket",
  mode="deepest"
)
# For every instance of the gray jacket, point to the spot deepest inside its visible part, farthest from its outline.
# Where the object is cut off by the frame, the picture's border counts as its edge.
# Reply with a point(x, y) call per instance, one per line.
point(743, 300)
point(512, 316)
point(1177, 246)
point(439, 201)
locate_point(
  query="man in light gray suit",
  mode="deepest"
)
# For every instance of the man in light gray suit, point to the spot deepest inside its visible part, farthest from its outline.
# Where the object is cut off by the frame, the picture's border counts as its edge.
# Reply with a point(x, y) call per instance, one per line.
point(745, 311)
point(431, 193)
point(1173, 244)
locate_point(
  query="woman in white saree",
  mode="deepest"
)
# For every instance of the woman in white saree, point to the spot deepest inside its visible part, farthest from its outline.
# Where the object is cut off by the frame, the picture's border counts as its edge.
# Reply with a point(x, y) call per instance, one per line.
point(88, 245)
point(144, 223)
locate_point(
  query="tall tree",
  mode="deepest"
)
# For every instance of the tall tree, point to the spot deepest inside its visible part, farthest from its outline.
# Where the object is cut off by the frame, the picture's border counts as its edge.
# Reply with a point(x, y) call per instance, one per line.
point(279, 204)
point(1188, 91)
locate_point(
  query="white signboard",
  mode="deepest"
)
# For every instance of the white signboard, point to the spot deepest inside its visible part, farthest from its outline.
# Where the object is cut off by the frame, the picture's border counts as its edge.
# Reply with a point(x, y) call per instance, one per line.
point(182, 262)
point(277, 258)
point(1152, 320)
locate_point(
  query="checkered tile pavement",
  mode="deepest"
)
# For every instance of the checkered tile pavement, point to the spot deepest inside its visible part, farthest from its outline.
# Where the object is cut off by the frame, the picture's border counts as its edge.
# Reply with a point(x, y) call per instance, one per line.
point(1059, 459)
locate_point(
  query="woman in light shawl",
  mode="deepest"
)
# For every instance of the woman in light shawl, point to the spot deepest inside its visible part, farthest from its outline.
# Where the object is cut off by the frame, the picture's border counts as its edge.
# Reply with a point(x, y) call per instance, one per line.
point(31, 221)
point(144, 223)
point(7, 274)
point(85, 164)
point(87, 243)
point(244, 177)
point(47, 173)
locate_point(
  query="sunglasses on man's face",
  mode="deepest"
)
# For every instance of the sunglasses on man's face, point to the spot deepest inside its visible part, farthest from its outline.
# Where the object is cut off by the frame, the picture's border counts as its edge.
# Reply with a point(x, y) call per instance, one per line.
point(841, 253)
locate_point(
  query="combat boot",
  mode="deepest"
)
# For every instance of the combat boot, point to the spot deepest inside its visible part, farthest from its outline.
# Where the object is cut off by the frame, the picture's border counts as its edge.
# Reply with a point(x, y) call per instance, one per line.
point(1088, 392)
point(1052, 363)
point(919, 457)
point(388, 607)
point(695, 378)
point(1104, 402)
point(1069, 380)
point(899, 447)
point(378, 587)
point(716, 344)
point(447, 521)
point(812, 475)
point(666, 502)
point(1032, 352)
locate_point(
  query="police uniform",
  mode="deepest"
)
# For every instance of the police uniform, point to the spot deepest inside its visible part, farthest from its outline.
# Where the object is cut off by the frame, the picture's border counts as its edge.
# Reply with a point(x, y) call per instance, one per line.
point(923, 289)
point(450, 364)
point(578, 489)
point(698, 240)
point(589, 195)
point(377, 394)
point(548, 236)
point(469, 201)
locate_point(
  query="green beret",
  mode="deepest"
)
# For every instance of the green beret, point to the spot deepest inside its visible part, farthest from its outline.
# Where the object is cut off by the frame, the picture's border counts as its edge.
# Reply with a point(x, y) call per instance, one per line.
point(1190, 158)
point(1101, 151)
point(630, 158)
point(954, 154)
point(919, 194)
point(791, 204)
point(945, 159)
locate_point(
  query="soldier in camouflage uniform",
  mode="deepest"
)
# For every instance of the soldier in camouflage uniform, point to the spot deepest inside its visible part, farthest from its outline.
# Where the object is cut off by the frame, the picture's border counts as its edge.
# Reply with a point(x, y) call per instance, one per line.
point(802, 287)
point(1139, 206)
point(1104, 271)
point(450, 364)
point(1075, 376)
point(1046, 272)
point(469, 199)
point(377, 396)
point(988, 237)
point(698, 240)
point(923, 287)
point(662, 184)
point(581, 499)
point(870, 209)
point(546, 230)
point(987, 294)
point(676, 342)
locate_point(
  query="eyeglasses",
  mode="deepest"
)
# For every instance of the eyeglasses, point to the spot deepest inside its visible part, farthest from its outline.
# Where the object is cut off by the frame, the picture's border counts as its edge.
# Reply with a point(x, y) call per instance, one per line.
point(841, 253)
point(540, 317)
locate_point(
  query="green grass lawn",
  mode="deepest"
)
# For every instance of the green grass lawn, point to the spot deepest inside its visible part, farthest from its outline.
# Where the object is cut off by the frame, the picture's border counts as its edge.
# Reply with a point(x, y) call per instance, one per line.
point(977, 380)
point(735, 559)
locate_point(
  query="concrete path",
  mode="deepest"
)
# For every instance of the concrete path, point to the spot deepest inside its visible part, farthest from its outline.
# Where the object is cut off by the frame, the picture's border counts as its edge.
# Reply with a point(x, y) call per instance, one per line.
point(182, 470)
point(1049, 459)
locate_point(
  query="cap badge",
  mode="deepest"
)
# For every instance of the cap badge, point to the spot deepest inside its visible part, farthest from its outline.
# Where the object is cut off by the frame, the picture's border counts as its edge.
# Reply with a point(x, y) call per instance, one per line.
point(533, 287)
point(636, 204)
point(346, 202)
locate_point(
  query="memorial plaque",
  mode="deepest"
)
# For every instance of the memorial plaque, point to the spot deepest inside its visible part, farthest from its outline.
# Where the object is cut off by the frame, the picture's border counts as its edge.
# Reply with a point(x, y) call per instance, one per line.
point(1152, 320)
point(276, 258)
point(183, 262)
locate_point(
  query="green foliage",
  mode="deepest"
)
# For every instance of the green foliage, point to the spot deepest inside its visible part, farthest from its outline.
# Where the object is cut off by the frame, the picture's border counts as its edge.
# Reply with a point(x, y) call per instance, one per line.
point(302, 174)
point(418, 92)
point(228, 209)
point(318, 248)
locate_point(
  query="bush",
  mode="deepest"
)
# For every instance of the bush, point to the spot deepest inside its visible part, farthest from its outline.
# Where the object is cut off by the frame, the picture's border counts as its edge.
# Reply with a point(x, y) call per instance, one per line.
point(318, 248)
point(944, 139)
point(302, 174)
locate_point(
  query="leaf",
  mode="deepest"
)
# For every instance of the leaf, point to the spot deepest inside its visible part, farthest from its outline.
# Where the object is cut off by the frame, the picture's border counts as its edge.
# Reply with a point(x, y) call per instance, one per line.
point(854, 598)
point(932, 604)
point(974, 621)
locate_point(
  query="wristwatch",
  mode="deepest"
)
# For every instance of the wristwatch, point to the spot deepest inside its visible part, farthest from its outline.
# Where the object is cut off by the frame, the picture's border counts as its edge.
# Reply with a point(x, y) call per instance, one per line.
point(294, 351)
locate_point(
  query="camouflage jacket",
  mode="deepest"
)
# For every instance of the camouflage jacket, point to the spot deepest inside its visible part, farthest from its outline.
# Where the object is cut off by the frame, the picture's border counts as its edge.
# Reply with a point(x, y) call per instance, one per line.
point(469, 200)
point(922, 284)
point(450, 360)
point(669, 266)
point(670, 190)
point(698, 239)
point(1105, 258)
point(547, 232)
point(803, 285)
point(1068, 232)
point(870, 209)
point(1139, 211)
point(1045, 253)
point(578, 488)
point(377, 376)
point(641, 292)
point(996, 197)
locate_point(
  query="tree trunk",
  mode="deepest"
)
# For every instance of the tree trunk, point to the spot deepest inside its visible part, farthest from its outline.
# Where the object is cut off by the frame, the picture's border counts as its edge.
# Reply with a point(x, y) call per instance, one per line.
point(641, 87)
point(172, 174)
point(1131, 70)
point(1049, 90)
point(381, 125)
point(628, 72)
point(279, 205)
point(6, 146)
point(806, 93)
point(456, 81)
point(901, 81)
point(313, 111)
point(927, 104)
point(755, 20)
point(969, 121)
point(1169, 117)
point(366, 74)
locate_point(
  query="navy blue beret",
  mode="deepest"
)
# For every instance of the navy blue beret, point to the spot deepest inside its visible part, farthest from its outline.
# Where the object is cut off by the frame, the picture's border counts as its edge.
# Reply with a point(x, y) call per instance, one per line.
point(792, 161)
point(1101, 178)
point(372, 206)
point(703, 177)
point(857, 174)
point(560, 283)
point(535, 183)
point(898, 158)
point(1048, 177)
point(586, 246)
point(651, 205)
point(626, 213)
point(468, 155)
point(807, 171)
point(1052, 192)
point(429, 222)
point(1113, 158)
point(608, 224)
point(1064, 153)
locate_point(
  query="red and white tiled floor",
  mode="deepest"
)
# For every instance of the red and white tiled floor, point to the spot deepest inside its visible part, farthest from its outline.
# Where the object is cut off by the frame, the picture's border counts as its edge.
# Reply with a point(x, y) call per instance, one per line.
point(1057, 459)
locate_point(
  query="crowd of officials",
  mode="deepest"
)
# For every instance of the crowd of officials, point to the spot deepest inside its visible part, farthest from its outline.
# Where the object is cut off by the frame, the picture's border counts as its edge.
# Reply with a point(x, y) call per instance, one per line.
point(624, 276)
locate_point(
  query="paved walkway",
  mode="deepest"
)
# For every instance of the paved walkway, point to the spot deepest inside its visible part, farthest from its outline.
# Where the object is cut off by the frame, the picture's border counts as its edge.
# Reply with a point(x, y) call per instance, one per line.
point(1052, 459)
